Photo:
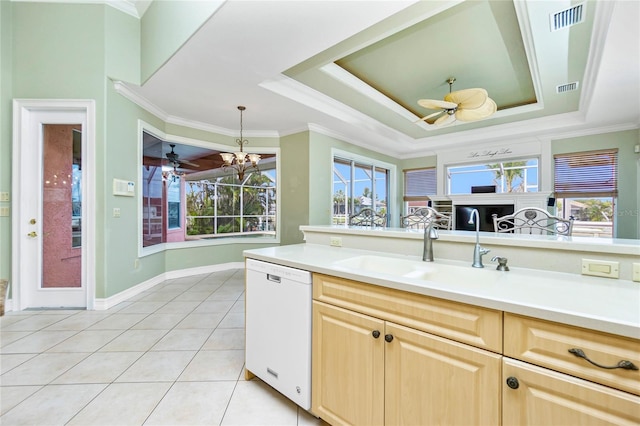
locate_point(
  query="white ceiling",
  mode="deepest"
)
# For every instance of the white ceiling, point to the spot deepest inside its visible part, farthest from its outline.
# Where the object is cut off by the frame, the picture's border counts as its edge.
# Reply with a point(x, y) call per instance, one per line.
point(239, 56)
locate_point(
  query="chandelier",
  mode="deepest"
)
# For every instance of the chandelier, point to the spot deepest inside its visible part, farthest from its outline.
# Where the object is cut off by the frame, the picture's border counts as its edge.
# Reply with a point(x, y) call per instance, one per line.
point(240, 161)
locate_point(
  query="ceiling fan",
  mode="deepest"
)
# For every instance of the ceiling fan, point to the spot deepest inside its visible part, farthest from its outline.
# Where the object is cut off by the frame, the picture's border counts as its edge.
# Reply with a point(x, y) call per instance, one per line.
point(463, 105)
point(175, 160)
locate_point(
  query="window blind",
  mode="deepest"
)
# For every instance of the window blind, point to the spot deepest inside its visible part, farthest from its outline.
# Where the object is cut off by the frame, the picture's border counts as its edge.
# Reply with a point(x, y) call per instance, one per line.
point(586, 174)
point(419, 184)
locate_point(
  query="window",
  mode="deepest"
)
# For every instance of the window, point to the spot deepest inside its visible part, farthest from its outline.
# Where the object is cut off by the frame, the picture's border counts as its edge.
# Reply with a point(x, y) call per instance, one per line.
point(419, 184)
point(501, 177)
point(358, 184)
point(586, 187)
point(223, 206)
point(173, 201)
point(188, 196)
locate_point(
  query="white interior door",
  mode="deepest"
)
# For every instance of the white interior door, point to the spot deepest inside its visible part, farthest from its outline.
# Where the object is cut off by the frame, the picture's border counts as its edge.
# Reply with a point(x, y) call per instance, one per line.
point(51, 226)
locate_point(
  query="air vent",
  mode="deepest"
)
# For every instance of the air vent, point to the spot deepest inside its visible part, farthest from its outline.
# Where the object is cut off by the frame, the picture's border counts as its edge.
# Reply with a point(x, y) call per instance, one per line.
point(568, 17)
point(569, 87)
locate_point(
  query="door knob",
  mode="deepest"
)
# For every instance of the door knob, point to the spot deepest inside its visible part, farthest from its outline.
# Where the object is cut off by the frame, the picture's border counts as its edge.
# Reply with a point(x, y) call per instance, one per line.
point(32, 234)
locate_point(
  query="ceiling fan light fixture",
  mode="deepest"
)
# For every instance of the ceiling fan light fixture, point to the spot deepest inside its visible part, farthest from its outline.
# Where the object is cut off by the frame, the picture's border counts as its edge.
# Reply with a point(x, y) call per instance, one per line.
point(464, 105)
point(484, 111)
point(471, 98)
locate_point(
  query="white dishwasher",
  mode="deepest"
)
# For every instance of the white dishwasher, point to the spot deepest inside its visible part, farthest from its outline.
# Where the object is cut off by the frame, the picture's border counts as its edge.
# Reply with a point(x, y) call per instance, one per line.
point(278, 328)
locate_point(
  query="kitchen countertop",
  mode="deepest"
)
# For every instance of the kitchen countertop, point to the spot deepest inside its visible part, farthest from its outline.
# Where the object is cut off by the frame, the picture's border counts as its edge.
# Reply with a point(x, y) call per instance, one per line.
point(602, 304)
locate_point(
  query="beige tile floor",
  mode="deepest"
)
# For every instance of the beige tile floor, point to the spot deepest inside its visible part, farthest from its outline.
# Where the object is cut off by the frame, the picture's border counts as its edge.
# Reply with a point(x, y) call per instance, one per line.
point(173, 355)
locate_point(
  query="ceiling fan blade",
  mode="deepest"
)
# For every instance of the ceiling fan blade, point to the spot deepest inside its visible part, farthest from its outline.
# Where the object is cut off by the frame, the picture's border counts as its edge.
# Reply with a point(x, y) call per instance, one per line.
point(436, 104)
point(445, 120)
point(468, 98)
point(486, 110)
point(427, 117)
point(189, 163)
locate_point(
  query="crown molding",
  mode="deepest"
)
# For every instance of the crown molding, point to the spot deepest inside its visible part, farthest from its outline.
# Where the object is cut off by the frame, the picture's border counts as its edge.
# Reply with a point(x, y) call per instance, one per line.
point(122, 89)
point(122, 5)
point(602, 21)
point(296, 91)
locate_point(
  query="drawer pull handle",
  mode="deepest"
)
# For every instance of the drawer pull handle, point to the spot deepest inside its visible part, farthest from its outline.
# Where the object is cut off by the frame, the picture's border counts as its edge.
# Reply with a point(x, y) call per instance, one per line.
point(388, 337)
point(624, 364)
point(513, 383)
point(375, 334)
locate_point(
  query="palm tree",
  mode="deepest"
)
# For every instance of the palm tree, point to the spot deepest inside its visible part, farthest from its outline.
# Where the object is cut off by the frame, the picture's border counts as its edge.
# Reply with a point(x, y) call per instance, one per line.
point(222, 198)
point(595, 210)
point(338, 200)
point(511, 172)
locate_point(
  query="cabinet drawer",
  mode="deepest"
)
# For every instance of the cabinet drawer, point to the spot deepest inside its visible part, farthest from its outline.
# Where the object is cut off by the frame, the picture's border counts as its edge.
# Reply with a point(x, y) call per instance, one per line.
point(540, 396)
point(476, 326)
point(548, 343)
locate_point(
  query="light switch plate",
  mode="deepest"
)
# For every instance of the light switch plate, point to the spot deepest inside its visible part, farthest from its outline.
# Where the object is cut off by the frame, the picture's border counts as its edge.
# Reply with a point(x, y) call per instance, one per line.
point(636, 272)
point(4, 196)
point(116, 212)
point(600, 268)
point(4, 211)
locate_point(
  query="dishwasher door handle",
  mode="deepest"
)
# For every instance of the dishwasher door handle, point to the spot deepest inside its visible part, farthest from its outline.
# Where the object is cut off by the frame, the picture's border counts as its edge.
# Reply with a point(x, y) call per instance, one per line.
point(274, 278)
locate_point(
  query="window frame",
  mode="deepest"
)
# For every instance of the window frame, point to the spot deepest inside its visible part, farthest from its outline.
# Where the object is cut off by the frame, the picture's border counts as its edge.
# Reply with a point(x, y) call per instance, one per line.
point(375, 164)
point(485, 163)
point(574, 194)
point(157, 248)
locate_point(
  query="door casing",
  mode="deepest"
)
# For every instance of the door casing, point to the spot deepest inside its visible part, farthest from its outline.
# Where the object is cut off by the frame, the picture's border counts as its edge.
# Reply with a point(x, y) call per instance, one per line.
point(57, 111)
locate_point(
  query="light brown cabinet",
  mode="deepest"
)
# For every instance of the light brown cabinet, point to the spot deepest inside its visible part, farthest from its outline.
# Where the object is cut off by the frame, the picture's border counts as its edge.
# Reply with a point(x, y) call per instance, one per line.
point(347, 367)
point(541, 396)
point(371, 370)
point(563, 388)
point(552, 345)
point(385, 356)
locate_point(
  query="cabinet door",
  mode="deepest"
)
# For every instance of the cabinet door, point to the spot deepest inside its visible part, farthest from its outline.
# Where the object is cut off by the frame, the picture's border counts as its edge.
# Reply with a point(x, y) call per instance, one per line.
point(435, 381)
point(347, 367)
point(545, 397)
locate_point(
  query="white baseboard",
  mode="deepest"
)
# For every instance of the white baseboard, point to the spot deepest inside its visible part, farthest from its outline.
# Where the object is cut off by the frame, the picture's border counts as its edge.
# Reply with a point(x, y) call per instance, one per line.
point(8, 305)
point(111, 301)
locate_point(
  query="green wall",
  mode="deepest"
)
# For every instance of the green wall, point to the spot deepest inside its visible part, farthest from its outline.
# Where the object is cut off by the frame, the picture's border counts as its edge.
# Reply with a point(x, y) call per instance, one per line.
point(166, 26)
point(43, 57)
point(628, 174)
point(122, 56)
point(6, 73)
point(295, 190)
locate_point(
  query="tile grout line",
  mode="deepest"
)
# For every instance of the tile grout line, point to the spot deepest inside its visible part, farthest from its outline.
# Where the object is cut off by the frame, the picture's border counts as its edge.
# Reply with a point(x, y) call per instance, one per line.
point(225, 315)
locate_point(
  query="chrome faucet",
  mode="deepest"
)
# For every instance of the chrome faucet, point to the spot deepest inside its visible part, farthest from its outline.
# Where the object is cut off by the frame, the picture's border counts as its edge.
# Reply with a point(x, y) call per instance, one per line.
point(478, 251)
point(430, 234)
